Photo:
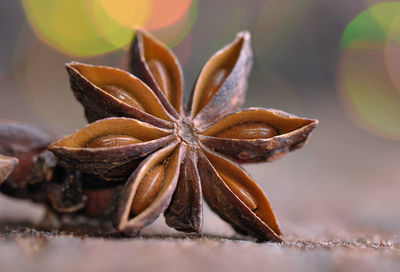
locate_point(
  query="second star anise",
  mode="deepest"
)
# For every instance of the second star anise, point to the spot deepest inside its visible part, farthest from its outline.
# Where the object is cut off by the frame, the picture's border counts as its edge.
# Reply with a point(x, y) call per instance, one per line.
point(7, 165)
point(172, 157)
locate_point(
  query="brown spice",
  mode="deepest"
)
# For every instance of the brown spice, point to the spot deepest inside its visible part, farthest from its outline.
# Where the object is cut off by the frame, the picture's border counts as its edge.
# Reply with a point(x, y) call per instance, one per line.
point(37, 176)
point(29, 145)
point(182, 152)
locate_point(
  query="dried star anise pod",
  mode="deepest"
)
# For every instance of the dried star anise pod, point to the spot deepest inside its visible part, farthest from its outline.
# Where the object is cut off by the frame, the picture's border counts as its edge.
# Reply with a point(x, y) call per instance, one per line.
point(178, 156)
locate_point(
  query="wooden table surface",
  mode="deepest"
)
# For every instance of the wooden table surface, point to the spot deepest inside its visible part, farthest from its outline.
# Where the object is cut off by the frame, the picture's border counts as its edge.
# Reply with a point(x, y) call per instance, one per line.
point(337, 201)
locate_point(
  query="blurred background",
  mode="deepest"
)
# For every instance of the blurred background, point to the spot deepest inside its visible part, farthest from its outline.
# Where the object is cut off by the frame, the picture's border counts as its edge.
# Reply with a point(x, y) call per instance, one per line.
point(337, 61)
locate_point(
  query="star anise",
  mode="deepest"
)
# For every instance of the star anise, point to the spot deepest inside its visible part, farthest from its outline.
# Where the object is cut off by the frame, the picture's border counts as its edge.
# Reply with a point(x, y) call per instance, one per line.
point(29, 171)
point(177, 155)
point(28, 146)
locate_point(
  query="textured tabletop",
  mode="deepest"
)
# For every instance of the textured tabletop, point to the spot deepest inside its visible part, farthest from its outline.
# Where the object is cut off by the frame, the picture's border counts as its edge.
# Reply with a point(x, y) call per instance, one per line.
point(336, 200)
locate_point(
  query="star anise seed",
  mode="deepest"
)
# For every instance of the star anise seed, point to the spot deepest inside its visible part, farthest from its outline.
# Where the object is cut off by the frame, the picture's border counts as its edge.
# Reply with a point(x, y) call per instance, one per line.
point(177, 155)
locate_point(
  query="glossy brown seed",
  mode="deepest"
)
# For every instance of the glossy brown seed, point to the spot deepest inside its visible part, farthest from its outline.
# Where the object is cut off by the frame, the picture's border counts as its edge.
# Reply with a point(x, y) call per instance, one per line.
point(155, 64)
point(112, 141)
point(234, 204)
point(110, 92)
point(121, 94)
point(249, 130)
point(110, 128)
point(148, 189)
point(224, 79)
point(161, 76)
point(170, 157)
point(239, 190)
point(214, 83)
point(114, 162)
point(245, 136)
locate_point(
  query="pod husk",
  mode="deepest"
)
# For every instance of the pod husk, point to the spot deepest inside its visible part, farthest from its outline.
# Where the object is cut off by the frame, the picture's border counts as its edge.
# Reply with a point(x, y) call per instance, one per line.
point(173, 156)
point(293, 133)
point(145, 47)
point(185, 212)
point(111, 163)
point(230, 96)
point(86, 81)
point(260, 223)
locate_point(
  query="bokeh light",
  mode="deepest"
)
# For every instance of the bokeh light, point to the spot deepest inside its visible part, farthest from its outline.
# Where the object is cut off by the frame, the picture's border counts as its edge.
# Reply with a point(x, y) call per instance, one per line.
point(174, 33)
point(129, 13)
point(93, 27)
point(42, 82)
point(368, 72)
point(370, 28)
point(68, 26)
point(368, 93)
point(150, 14)
point(115, 34)
point(392, 52)
point(371, 3)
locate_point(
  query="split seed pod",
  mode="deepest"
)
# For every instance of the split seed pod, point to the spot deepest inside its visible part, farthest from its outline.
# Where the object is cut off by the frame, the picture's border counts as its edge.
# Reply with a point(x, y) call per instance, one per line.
point(171, 156)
